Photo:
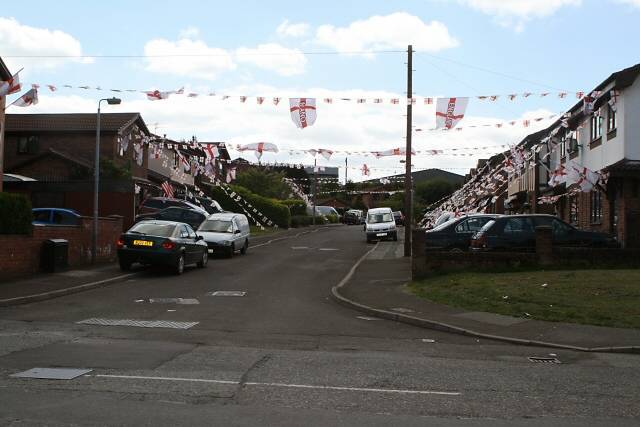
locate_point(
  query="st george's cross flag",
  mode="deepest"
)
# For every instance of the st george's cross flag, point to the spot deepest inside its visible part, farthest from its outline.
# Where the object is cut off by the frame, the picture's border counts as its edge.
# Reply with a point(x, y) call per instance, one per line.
point(10, 86)
point(303, 111)
point(28, 99)
point(155, 95)
point(449, 111)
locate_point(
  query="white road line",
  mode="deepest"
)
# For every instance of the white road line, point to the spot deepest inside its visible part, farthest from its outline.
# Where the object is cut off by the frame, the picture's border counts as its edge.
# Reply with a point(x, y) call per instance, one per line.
point(284, 238)
point(283, 385)
point(195, 380)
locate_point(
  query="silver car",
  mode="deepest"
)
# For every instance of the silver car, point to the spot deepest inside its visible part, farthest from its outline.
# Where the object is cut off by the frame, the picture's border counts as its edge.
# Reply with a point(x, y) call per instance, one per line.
point(380, 224)
point(226, 233)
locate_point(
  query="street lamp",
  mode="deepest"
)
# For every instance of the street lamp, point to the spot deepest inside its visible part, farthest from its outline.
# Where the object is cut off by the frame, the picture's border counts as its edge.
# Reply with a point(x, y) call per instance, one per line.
point(96, 179)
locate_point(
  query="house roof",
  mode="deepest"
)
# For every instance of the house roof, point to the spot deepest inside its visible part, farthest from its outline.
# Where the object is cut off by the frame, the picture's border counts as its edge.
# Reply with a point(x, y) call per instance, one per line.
point(5, 74)
point(55, 153)
point(72, 122)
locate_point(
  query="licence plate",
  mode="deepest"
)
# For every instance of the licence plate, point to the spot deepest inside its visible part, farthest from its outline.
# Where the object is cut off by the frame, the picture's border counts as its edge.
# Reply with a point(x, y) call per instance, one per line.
point(142, 243)
point(210, 251)
point(381, 234)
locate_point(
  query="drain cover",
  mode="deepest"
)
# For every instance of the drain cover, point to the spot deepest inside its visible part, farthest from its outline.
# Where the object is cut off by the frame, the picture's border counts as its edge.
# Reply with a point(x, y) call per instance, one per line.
point(543, 359)
point(52, 373)
point(139, 323)
point(227, 294)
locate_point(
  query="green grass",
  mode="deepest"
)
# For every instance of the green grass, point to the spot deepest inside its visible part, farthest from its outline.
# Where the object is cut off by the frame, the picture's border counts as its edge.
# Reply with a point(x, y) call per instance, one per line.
point(256, 231)
point(594, 297)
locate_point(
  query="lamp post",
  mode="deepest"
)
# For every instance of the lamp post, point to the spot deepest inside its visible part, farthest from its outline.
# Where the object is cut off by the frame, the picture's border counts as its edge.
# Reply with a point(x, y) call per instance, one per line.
point(96, 179)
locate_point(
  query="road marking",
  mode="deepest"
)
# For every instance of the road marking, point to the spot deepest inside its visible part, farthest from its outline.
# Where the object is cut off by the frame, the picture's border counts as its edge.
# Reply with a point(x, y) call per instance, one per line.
point(284, 385)
point(139, 323)
point(227, 294)
point(284, 238)
point(297, 248)
point(371, 319)
point(328, 249)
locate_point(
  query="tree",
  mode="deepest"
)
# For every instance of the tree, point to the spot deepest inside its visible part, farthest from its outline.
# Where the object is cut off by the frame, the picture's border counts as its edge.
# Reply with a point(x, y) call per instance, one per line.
point(264, 183)
point(433, 190)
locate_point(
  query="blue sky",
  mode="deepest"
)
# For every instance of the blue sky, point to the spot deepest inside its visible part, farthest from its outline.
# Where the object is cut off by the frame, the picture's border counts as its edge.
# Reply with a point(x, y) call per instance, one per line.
point(529, 45)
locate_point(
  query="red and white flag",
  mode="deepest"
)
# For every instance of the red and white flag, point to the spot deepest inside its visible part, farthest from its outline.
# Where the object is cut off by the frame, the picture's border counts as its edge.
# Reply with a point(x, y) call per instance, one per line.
point(52, 88)
point(168, 189)
point(449, 111)
point(156, 95)
point(231, 175)
point(211, 151)
point(392, 152)
point(325, 153)
point(259, 148)
point(10, 86)
point(365, 170)
point(28, 99)
point(303, 111)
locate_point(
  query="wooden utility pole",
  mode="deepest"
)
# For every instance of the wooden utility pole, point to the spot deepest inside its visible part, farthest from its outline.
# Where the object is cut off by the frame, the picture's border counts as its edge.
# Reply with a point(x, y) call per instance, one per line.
point(408, 193)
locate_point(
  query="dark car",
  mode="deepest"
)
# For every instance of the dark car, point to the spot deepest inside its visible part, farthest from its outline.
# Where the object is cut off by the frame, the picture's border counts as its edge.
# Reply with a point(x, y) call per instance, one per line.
point(209, 205)
point(155, 204)
point(398, 217)
point(193, 217)
point(353, 216)
point(518, 233)
point(167, 243)
point(55, 216)
point(455, 234)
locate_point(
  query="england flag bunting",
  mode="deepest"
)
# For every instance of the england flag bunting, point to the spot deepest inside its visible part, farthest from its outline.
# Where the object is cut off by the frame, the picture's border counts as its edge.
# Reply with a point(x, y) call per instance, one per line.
point(303, 111)
point(156, 95)
point(28, 99)
point(365, 170)
point(231, 174)
point(10, 86)
point(211, 151)
point(449, 111)
point(259, 148)
point(392, 152)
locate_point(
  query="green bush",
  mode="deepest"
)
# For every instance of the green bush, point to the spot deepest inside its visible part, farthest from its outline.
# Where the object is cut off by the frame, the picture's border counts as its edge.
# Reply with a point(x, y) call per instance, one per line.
point(301, 221)
point(271, 208)
point(15, 214)
point(297, 207)
point(333, 219)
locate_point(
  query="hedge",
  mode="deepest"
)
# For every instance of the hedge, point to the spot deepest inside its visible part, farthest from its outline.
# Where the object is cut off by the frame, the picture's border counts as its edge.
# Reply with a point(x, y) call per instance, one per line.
point(271, 208)
point(296, 206)
point(15, 214)
point(301, 220)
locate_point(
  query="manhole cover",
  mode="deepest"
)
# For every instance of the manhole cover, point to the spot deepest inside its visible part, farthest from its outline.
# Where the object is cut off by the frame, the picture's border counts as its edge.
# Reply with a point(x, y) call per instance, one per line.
point(227, 294)
point(52, 373)
point(543, 359)
point(139, 323)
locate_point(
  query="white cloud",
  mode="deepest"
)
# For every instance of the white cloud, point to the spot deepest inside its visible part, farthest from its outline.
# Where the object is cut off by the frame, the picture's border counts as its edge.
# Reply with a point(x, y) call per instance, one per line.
point(635, 3)
point(287, 29)
point(18, 39)
point(190, 33)
point(514, 13)
point(340, 126)
point(274, 57)
point(393, 31)
point(207, 62)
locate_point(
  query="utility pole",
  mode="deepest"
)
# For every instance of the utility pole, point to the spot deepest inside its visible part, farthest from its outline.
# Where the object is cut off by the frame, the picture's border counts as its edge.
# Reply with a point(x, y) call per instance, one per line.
point(408, 208)
point(346, 170)
point(314, 188)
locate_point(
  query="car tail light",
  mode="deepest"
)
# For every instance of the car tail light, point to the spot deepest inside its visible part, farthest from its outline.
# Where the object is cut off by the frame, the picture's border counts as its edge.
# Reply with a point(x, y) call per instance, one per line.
point(168, 244)
point(120, 243)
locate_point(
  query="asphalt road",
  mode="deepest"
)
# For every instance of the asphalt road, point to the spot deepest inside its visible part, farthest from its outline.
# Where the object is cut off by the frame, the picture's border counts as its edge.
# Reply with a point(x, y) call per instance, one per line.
point(284, 354)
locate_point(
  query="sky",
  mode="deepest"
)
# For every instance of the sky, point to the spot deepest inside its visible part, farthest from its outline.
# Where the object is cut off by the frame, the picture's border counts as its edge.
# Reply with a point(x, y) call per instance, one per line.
point(329, 49)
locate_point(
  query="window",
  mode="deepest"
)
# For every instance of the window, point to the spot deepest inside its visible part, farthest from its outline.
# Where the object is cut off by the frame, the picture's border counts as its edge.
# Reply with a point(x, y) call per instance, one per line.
point(573, 210)
point(596, 126)
point(569, 143)
point(563, 148)
point(559, 229)
point(518, 225)
point(596, 207)
point(27, 145)
point(611, 119)
point(471, 225)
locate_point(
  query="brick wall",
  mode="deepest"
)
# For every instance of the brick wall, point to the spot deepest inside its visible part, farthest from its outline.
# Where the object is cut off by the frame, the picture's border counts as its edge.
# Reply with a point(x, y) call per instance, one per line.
point(20, 254)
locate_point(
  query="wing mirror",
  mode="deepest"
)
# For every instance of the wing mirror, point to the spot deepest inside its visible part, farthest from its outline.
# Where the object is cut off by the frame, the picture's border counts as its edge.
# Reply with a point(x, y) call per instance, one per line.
point(237, 232)
point(199, 238)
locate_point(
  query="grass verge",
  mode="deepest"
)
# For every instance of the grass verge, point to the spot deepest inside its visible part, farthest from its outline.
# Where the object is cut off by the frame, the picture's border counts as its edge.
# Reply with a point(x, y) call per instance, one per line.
point(594, 297)
point(256, 231)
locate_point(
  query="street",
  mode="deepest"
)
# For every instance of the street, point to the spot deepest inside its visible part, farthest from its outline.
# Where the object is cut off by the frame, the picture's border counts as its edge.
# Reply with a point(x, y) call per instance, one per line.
point(284, 353)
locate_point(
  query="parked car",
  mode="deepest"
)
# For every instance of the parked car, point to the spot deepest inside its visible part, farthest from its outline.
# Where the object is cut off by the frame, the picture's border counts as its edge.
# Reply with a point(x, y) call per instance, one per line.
point(398, 217)
point(380, 225)
point(517, 233)
point(193, 217)
point(155, 204)
point(168, 243)
point(211, 206)
point(55, 216)
point(225, 233)
point(455, 234)
point(353, 216)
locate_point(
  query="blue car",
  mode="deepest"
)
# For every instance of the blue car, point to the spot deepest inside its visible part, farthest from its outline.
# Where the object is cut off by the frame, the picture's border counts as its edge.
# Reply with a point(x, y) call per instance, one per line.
point(55, 216)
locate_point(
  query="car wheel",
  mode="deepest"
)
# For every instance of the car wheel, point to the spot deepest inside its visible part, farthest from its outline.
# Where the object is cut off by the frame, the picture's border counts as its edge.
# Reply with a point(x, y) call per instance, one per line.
point(232, 251)
point(179, 269)
point(243, 251)
point(456, 251)
point(124, 265)
point(203, 261)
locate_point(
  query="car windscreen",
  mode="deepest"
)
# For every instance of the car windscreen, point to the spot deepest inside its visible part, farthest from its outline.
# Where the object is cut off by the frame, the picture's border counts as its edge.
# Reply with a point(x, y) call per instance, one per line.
point(444, 225)
point(153, 229)
point(216, 226)
point(326, 210)
point(378, 218)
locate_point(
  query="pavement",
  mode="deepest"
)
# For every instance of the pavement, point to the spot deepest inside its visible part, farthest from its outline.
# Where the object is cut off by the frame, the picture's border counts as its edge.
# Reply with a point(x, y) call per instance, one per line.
point(377, 285)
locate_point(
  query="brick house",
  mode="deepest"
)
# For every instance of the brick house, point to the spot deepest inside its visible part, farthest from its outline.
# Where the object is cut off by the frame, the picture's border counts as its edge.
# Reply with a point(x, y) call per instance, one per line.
point(58, 151)
point(5, 75)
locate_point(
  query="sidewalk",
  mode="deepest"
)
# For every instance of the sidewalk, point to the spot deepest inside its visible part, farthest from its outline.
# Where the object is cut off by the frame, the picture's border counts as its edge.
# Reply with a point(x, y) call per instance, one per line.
point(377, 287)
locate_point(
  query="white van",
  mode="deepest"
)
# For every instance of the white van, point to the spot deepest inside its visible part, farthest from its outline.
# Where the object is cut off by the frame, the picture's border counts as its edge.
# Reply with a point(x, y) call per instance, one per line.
point(226, 233)
point(380, 224)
